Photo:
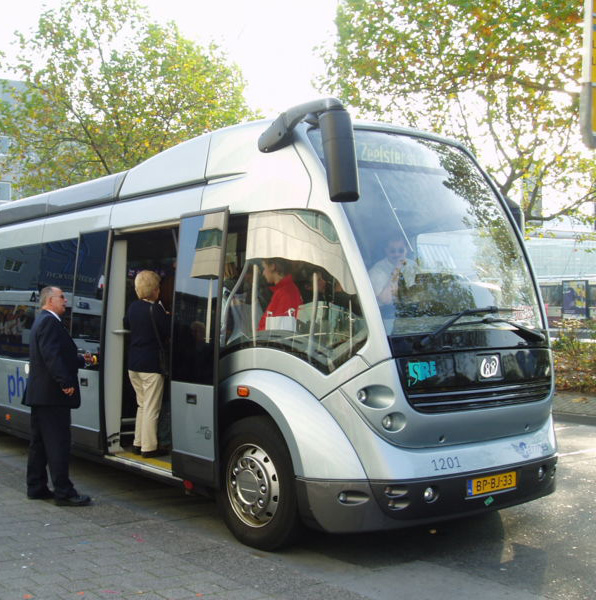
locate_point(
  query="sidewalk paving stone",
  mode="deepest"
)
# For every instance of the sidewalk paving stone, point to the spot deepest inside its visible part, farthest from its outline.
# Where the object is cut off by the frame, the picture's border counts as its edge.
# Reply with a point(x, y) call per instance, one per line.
point(575, 406)
point(108, 550)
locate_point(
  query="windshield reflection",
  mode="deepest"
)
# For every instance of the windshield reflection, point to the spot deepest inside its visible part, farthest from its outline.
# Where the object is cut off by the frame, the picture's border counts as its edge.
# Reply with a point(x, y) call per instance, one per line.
point(434, 238)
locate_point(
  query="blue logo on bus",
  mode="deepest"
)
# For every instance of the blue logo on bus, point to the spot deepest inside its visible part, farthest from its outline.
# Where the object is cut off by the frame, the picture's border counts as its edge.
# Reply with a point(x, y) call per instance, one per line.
point(420, 371)
point(16, 386)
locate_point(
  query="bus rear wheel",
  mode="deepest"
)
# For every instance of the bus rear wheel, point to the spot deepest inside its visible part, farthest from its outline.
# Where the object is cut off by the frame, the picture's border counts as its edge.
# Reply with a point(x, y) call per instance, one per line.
point(258, 492)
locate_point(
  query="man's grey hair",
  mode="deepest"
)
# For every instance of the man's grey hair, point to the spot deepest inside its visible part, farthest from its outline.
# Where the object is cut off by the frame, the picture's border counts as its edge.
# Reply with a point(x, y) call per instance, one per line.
point(45, 294)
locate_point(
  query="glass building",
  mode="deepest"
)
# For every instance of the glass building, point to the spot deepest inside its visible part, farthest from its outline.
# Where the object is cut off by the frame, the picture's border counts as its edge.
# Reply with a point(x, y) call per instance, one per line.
point(566, 271)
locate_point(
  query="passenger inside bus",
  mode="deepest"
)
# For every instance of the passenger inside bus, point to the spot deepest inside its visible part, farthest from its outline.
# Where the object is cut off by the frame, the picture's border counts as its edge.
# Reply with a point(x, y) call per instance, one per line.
point(328, 289)
point(149, 329)
point(282, 310)
point(314, 281)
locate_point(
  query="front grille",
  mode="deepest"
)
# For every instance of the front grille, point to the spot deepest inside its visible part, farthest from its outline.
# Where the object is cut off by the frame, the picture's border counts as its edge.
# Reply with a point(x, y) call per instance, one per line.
point(475, 398)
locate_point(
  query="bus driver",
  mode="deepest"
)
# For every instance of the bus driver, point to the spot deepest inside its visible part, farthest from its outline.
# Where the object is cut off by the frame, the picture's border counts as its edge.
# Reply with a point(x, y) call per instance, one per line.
point(384, 275)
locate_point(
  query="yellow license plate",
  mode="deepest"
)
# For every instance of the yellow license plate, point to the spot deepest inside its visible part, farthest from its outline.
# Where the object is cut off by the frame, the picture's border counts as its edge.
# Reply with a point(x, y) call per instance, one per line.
point(491, 484)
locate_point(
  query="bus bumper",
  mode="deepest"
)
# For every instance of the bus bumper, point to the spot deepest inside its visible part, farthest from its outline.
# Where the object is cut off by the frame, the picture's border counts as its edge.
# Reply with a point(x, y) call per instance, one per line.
point(355, 506)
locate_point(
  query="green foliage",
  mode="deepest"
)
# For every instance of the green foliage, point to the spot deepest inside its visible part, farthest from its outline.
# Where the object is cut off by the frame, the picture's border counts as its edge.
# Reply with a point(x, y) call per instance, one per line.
point(106, 89)
point(500, 75)
point(575, 355)
point(569, 338)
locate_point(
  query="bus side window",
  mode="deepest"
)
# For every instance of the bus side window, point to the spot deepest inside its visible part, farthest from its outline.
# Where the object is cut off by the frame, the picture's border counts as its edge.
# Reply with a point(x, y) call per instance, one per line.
point(294, 291)
point(237, 311)
point(19, 285)
point(87, 304)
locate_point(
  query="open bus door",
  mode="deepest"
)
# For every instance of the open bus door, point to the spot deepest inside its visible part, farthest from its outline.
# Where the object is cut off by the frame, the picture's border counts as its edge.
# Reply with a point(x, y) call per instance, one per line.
point(195, 346)
point(86, 315)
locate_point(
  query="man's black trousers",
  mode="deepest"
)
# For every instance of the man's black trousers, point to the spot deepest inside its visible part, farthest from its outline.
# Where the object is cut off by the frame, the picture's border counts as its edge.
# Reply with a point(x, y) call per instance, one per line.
point(49, 447)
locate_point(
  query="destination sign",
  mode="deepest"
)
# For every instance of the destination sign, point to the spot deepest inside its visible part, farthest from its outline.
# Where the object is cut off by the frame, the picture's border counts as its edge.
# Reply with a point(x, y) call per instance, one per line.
point(407, 154)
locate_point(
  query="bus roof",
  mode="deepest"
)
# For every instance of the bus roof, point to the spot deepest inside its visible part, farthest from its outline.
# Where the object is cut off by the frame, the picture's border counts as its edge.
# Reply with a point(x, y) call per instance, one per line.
point(222, 153)
point(82, 195)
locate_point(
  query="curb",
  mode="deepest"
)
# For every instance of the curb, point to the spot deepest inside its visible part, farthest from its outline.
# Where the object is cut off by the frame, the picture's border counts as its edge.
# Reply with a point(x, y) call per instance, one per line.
point(567, 417)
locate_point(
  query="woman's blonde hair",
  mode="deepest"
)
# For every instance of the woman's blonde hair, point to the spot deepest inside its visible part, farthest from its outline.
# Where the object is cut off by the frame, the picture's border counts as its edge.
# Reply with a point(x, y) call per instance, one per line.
point(146, 282)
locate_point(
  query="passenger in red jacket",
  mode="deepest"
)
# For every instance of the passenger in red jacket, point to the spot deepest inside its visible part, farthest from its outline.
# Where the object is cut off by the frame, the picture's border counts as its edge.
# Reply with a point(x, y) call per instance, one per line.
point(286, 297)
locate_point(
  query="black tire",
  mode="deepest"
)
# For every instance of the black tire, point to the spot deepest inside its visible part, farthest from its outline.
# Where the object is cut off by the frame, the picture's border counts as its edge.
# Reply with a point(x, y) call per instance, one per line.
point(258, 488)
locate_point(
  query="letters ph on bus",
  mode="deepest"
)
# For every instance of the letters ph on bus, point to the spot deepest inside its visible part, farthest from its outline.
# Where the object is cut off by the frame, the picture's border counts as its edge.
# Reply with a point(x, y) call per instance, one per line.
point(296, 393)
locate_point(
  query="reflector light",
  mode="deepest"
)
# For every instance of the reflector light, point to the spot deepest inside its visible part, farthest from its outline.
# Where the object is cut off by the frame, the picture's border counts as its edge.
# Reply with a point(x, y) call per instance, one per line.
point(243, 391)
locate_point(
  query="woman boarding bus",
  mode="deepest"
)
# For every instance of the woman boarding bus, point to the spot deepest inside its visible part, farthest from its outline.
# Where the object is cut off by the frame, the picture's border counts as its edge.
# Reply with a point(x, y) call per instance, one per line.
point(345, 413)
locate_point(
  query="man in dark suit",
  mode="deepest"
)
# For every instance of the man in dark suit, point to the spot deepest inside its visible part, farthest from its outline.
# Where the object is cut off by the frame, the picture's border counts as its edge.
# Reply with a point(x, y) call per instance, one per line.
point(52, 391)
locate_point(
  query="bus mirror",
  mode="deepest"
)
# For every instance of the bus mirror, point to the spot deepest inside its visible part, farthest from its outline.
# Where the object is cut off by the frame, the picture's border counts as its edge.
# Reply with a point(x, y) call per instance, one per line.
point(338, 143)
point(340, 155)
point(281, 132)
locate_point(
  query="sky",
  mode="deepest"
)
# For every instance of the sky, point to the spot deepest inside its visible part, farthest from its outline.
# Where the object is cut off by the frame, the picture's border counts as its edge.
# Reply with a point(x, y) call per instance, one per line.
point(271, 41)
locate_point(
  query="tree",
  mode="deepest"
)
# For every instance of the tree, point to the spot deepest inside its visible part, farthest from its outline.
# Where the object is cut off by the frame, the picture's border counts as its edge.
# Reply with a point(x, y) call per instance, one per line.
point(105, 88)
point(500, 75)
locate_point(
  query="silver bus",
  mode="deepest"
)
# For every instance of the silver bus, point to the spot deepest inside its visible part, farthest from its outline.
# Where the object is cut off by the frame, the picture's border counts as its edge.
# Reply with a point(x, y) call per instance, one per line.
point(357, 405)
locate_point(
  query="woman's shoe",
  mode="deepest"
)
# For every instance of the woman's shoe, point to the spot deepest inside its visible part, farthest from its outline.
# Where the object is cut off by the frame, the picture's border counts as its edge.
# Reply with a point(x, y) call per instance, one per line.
point(155, 453)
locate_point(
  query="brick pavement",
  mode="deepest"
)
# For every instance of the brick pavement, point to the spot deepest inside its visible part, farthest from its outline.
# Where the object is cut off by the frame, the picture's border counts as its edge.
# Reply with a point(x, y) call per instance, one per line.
point(575, 406)
point(140, 540)
point(49, 553)
point(146, 541)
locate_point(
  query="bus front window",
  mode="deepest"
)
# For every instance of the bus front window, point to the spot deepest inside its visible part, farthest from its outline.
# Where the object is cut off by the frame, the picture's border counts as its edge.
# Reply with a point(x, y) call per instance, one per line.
point(434, 237)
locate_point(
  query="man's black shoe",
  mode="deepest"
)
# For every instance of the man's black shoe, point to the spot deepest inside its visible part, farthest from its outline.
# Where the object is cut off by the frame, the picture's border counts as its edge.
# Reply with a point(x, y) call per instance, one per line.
point(155, 453)
point(44, 495)
point(81, 500)
point(136, 449)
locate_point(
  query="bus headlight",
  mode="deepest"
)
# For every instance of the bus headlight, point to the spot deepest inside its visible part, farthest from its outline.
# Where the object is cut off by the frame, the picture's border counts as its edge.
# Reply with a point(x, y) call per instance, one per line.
point(376, 396)
point(393, 422)
point(387, 422)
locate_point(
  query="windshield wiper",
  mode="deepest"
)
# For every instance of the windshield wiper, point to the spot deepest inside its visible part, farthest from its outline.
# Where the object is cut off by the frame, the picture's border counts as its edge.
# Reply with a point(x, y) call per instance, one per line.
point(521, 330)
point(525, 332)
point(425, 341)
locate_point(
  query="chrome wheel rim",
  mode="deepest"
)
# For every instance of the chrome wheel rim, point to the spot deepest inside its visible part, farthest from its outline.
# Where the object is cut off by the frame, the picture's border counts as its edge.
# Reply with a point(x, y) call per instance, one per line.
point(252, 485)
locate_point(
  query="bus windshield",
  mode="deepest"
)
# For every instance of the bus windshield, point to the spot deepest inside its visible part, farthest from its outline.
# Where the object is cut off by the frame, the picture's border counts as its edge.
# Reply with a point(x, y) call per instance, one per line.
point(435, 239)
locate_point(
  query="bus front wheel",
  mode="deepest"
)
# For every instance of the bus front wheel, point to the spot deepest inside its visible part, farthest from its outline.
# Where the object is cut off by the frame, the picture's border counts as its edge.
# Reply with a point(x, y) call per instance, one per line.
point(258, 492)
